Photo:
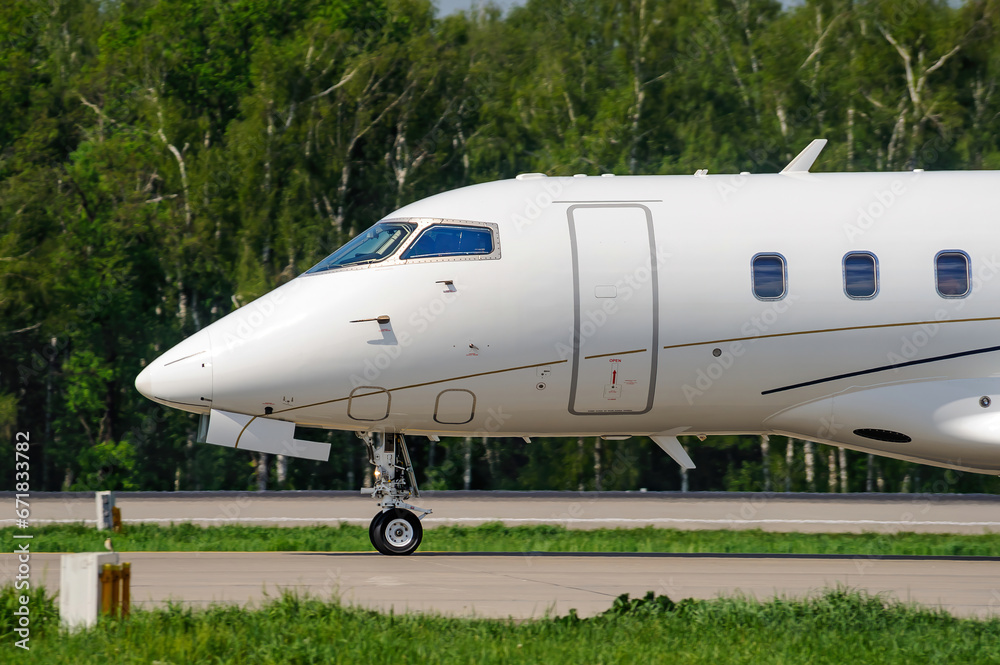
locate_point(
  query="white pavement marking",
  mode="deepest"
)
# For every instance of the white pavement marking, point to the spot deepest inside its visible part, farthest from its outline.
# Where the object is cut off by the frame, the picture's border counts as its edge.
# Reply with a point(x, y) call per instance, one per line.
point(538, 520)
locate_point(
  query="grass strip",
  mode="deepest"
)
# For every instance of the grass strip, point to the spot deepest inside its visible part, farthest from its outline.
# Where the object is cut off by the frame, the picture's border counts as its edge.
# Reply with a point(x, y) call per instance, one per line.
point(840, 626)
point(496, 537)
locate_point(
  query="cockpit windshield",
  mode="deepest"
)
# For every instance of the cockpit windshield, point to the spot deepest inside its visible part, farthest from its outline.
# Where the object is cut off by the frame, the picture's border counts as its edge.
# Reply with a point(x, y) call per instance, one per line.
point(372, 246)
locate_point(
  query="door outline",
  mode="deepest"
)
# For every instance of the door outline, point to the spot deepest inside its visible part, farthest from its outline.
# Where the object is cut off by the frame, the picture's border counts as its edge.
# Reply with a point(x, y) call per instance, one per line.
point(437, 405)
point(376, 390)
point(577, 314)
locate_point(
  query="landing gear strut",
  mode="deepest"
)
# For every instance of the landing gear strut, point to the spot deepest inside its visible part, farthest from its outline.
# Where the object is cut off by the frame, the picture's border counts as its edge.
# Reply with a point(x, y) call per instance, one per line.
point(397, 529)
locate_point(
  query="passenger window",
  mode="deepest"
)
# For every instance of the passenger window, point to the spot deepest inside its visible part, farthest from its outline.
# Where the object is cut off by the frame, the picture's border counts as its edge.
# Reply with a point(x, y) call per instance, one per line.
point(951, 270)
point(448, 240)
point(860, 275)
point(769, 281)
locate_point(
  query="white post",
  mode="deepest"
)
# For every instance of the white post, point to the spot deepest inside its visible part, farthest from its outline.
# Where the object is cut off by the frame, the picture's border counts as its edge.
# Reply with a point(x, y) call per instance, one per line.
point(105, 502)
point(80, 587)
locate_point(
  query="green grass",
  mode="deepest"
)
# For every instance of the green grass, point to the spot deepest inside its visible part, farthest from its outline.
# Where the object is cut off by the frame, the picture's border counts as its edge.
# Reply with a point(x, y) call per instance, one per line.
point(840, 626)
point(498, 538)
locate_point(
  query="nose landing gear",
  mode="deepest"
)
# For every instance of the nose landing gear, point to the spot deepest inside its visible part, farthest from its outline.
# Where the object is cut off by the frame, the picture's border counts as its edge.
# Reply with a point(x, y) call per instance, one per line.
point(397, 529)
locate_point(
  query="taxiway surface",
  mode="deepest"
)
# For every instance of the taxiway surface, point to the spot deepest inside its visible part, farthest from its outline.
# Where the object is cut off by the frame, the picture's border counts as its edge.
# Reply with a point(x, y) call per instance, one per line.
point(531, 585)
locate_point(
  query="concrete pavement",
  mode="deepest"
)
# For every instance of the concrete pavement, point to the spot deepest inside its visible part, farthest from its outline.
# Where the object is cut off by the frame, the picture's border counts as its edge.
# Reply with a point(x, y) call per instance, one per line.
point(531, 585)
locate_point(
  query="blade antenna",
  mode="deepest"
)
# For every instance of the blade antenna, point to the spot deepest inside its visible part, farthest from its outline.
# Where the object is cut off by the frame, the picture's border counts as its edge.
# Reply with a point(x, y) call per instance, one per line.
point(804, 160)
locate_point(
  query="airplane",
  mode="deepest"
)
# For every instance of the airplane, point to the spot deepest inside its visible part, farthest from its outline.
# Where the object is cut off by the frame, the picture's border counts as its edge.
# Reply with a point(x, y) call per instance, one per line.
point(852, 309)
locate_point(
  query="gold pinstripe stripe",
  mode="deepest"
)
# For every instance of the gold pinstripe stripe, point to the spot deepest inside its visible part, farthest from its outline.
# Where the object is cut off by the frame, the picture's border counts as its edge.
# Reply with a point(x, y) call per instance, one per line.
point(620, 353)
point(426, 383)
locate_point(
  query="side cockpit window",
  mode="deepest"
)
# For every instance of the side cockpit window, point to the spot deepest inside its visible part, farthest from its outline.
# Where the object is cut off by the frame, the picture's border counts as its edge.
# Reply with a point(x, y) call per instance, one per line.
point(376, 244)
point(453, 241)
point(397, 242)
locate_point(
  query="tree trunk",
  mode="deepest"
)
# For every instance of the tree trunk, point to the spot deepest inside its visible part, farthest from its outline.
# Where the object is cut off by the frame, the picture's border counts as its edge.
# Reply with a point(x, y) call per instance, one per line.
point(262, 460)
point(641, 38)
point(850, 138)
point(598, 471)
point(789, 462)
point(831, 460)
point(467, 474)
point(491, 460)
point(765, 449)
point(281, 470)
point(842, 454)
point(48, 413)
point(182, 306)
point(810, 465)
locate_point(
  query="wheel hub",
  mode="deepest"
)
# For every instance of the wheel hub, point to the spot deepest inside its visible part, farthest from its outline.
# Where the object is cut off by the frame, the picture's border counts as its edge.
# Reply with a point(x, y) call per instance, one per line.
point(399, 533)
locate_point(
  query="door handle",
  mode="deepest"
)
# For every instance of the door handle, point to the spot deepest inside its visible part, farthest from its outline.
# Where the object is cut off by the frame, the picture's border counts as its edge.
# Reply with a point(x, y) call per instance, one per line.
point(382, 320)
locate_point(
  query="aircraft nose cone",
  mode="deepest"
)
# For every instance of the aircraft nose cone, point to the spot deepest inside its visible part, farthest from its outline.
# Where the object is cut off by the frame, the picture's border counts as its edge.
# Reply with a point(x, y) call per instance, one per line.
point(182, 376)
point(144, 382)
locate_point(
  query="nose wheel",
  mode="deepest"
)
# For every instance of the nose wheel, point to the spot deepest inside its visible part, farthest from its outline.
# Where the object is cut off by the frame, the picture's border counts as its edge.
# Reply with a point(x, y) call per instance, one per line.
point(396, 532)
point(397, 529)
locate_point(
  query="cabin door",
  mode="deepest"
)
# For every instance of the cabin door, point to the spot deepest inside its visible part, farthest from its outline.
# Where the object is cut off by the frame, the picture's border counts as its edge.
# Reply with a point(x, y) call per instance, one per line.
point(615, 309)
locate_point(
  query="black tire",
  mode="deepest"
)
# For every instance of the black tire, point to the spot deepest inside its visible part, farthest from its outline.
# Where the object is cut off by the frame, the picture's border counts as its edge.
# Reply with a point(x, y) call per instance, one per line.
point(399, 532)
point(374, 530)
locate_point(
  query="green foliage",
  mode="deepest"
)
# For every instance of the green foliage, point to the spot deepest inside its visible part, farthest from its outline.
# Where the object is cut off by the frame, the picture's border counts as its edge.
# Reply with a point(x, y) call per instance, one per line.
point(86, 375)
point(107, 466)
point(648, 605)
point(8, 415)
point(43, 615)
point(837, 626)
point(496, 537)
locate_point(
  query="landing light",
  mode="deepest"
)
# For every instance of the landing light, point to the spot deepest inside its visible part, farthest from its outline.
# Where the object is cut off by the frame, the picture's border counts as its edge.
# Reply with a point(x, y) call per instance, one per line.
point(378, 474)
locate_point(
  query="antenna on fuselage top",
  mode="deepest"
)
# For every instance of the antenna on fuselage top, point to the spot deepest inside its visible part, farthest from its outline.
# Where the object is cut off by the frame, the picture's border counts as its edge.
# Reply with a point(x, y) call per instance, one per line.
point(804, 160)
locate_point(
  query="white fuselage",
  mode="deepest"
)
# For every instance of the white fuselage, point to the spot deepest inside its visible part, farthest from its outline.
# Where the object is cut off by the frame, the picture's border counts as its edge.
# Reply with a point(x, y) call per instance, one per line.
point(625, 306)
